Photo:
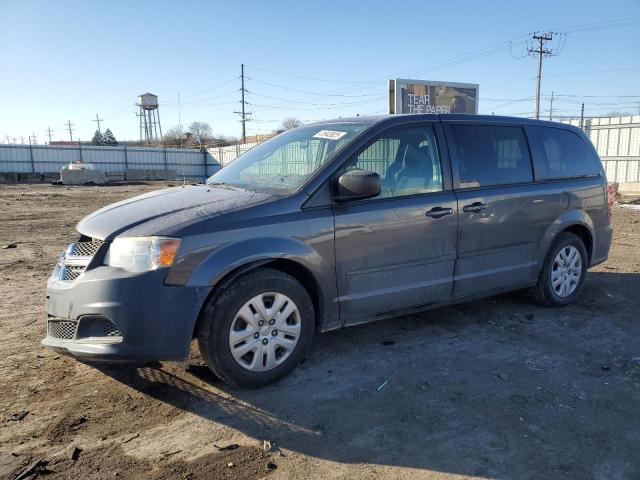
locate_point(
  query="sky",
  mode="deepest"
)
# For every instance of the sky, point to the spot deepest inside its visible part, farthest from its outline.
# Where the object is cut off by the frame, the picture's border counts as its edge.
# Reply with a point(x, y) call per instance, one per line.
point(70, 60)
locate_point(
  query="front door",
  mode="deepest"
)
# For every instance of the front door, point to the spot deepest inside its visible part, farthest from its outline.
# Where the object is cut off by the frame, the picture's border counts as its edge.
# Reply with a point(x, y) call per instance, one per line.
point(397, 251)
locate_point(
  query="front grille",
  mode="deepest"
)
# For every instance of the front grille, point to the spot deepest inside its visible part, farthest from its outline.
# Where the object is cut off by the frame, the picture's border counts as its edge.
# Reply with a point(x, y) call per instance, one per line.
point(109, 329)
point(76, 258)
point(62, 329)
point(71, 272)
point(85, 248)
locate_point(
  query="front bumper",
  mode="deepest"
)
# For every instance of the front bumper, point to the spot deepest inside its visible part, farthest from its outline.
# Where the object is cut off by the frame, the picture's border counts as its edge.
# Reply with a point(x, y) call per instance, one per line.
point(146, 320)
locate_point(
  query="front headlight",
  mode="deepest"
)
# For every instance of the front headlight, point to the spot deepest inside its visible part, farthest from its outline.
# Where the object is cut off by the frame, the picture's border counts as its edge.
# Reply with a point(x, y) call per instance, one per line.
point(139, 254)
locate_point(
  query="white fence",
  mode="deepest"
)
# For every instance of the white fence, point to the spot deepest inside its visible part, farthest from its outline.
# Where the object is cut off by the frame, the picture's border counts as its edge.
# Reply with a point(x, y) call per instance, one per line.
point(617, 140)
point(226, 155)
point(118, 159)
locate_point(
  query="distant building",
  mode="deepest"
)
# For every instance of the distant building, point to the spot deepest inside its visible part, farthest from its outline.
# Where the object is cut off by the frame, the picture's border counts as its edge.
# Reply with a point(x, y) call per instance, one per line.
point(259, 138)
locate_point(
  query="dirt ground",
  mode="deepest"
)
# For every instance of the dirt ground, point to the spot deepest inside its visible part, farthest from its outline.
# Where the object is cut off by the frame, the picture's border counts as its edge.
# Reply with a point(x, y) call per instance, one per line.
point(497, 388)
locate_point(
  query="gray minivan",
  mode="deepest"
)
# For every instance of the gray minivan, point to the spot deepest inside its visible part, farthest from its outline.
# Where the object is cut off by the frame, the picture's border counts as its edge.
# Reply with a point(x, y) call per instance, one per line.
point(329, 225)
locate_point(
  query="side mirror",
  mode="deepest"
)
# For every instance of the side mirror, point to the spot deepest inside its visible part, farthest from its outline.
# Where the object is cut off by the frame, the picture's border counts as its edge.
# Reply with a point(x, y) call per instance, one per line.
point(356, 185)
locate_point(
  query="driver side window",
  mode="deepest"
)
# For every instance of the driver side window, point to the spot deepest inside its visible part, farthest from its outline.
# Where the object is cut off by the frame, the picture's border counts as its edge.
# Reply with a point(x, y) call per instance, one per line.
point(406, 159)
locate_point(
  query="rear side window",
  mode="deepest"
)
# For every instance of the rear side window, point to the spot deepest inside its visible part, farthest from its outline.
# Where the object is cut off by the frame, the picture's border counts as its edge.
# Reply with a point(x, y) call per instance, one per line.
point(487, 155)
point(560, 153)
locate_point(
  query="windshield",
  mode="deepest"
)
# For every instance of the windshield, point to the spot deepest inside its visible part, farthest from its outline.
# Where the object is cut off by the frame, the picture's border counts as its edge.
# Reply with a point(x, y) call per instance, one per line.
point(283, 163)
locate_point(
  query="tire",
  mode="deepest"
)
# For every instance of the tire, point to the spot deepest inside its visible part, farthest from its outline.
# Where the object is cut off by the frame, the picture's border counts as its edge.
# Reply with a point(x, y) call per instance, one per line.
point(546, 290)
point(241, 306)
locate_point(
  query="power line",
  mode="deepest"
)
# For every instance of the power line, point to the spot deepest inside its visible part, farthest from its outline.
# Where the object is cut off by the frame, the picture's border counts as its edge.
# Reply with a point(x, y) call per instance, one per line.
point(243, 113)
point(323, 94)
point(540, 51)
point(98, 120)
point(69, 125)
point(306, 78)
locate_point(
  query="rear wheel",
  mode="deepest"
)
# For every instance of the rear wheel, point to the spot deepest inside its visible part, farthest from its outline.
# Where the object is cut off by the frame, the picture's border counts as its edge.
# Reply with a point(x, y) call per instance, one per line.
point(258, 329)
point(563, 273)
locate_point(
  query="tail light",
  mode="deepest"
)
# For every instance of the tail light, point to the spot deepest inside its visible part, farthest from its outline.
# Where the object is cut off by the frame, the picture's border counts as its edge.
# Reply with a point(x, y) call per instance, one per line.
point(611, 198)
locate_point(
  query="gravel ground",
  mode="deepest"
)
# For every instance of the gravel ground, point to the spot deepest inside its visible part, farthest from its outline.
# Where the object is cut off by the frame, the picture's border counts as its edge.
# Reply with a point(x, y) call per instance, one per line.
point(497, 388)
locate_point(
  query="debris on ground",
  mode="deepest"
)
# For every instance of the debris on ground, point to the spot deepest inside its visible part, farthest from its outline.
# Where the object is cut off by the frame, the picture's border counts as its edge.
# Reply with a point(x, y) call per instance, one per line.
point(10, 245)
point(169, 454)
point(266, 445)
point(130, 437)
point(16, 417)
point(383, 385)
point(36, 468)
point(532, 366)
point(232, 446)
point(77, 423)
point(74, 452)
point(271, 466)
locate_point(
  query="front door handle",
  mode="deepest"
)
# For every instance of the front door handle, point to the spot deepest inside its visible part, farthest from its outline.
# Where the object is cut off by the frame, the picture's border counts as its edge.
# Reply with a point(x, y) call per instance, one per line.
point(439, 212)
point(474, 207)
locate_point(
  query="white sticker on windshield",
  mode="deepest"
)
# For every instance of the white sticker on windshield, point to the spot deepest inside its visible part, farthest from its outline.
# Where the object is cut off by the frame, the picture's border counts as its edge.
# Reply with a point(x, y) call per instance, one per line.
point(330, 134)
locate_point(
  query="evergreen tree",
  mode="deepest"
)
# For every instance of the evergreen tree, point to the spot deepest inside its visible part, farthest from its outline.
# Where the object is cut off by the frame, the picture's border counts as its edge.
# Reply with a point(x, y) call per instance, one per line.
point(97, 138)
point(108, 138)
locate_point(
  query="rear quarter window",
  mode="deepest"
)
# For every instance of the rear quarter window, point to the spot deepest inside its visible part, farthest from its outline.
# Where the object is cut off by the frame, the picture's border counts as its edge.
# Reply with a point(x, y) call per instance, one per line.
point(489, 155)
point(561, 153)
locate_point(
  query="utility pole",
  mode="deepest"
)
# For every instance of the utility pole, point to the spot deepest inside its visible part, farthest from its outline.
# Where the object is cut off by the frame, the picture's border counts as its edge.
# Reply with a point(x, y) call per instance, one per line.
point(22, 140)
point(551, 108)
point(582, 117)
point(35, 139)
point(69, 125)
point(49, 133)
point(7, 137)
point(540, 51)
point(243, 114)
point(98, 120)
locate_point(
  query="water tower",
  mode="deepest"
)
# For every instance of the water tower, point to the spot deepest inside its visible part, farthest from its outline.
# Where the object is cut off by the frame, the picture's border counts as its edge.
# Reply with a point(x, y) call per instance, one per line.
point(149, 115)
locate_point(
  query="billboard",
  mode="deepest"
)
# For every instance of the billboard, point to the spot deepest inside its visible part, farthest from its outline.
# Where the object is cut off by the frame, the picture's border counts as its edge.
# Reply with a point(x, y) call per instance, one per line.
point(423, 96)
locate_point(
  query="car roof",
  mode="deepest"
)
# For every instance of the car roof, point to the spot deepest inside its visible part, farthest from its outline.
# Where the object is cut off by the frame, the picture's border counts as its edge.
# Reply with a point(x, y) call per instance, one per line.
point(391, 119)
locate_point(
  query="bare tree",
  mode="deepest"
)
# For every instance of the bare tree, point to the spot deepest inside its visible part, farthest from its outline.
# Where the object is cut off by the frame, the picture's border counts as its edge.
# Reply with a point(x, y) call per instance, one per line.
point(174, 136)
point(201, 132)
point(290, 122)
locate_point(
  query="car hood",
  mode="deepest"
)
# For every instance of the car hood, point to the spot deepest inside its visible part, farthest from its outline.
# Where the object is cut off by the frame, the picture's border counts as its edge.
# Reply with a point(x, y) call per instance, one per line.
point(163, 211)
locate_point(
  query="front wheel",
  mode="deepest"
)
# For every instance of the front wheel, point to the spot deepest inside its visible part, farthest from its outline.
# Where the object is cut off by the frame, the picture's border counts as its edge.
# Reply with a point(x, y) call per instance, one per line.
point(563, 273)
point(258, 329)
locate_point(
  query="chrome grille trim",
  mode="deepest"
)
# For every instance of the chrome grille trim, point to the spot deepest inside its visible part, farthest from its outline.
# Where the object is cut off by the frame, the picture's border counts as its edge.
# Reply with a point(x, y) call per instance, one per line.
point(76, 258)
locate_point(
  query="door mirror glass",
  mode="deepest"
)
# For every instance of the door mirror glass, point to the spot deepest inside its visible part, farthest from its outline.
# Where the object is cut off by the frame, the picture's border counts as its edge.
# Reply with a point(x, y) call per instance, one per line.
point(357, 184)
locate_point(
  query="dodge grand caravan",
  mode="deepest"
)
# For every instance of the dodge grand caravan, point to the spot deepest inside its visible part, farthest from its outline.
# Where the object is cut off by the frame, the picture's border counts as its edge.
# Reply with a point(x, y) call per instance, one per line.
point(329, 225)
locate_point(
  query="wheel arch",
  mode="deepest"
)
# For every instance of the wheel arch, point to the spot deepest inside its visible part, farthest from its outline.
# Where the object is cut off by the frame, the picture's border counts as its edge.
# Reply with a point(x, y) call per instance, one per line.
point(577, 222)
point(288, 266)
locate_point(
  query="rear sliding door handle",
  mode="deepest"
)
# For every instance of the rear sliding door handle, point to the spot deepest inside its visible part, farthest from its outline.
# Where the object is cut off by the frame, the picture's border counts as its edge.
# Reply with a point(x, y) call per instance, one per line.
point(474, 207)
point(439, 212)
